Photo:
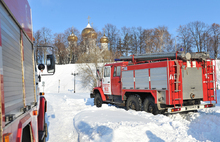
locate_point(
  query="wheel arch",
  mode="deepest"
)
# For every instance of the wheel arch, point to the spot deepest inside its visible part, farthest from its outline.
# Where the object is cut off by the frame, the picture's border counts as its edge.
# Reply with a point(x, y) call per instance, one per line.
point(98, 90)
point(24, 123)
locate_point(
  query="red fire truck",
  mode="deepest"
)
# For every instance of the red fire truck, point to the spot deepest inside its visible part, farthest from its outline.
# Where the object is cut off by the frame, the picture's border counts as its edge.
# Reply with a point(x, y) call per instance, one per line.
point(22, 107)
point(159, 82)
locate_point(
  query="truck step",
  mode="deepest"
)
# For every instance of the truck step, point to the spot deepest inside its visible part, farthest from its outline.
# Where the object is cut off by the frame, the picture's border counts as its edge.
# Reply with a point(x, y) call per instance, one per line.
point(177, 99)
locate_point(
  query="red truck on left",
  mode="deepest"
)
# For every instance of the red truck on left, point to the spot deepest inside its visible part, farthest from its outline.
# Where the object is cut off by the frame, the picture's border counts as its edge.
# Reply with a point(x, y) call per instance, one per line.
point(22, 106)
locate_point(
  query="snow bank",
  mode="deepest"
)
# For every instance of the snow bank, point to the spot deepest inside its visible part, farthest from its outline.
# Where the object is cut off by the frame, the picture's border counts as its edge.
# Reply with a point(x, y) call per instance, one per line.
point(73, 117)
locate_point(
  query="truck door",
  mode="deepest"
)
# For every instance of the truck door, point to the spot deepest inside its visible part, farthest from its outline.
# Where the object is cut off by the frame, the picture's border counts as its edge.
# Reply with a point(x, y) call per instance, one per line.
point(116, 80)
point(106, 82)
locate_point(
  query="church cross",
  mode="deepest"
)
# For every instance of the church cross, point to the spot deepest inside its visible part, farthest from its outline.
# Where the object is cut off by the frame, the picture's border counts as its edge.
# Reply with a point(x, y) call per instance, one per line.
point(104, 31)
point(72, 29)
point(88, 18)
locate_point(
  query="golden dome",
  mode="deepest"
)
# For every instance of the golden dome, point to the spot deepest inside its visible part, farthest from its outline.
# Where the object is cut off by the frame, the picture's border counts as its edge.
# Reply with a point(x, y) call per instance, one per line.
point(104, 39)
point(89, 32)
point(92, 34)
point(86, 31)
point(72, 37)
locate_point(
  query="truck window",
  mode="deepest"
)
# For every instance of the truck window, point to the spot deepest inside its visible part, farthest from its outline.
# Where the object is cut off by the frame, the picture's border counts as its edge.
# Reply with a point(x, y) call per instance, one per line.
point(107, 72)
point(114, 74)
point(118, 70)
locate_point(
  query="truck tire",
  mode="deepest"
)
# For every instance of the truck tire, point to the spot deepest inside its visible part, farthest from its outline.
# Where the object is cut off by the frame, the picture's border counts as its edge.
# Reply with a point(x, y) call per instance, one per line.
point(150, 106)
point(98, 100)
point(134, 103)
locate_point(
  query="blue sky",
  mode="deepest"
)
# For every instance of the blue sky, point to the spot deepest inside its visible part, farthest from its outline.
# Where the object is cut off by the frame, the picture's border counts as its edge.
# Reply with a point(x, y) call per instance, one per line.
point(58, 15)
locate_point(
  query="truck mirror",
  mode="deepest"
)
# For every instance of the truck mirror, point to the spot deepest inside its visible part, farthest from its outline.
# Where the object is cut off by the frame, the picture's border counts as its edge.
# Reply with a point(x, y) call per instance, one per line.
point(41, 67)
point(50, 64)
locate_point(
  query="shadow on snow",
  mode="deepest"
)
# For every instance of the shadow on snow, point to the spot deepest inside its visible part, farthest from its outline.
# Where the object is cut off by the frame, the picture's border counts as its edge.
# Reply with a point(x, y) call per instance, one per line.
point(153, 137)
point(48, 124)
point(104, 133)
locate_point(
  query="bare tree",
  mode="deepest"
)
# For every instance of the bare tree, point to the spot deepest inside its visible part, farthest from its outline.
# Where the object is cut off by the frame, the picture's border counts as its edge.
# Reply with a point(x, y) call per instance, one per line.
point(148, 36)
point(207, 42)
point(197, 29)
point(134, 40)
point(38, 51)
point(137, 43)
point(215, 38)
point(141, 43)
point(46, 40)
point(161, 38)
point(127, 40)
point(60, 50)
point(89, 65)
point(119, 49)
point(112, 33)
point(185, 38)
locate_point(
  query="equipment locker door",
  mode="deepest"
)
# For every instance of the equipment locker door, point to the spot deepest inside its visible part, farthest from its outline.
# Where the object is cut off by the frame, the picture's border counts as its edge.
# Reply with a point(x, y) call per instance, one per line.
point(106, 82)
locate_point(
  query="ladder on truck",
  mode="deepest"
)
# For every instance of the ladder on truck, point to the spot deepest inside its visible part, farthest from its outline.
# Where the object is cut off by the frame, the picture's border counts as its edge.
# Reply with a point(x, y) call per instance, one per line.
point(176, 83)
point(211, 81)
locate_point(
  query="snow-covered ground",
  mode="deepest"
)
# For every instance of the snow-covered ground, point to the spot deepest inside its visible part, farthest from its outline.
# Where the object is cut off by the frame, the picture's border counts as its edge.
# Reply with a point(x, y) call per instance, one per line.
point(72, 117)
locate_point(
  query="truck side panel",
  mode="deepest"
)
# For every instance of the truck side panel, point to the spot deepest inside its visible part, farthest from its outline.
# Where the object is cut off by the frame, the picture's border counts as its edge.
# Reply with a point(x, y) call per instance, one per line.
point(22, 13)
point(127, 79)
point(2, 105)
point(158, 77)
point(10, 34)
point(28, 71)
point(142, 79)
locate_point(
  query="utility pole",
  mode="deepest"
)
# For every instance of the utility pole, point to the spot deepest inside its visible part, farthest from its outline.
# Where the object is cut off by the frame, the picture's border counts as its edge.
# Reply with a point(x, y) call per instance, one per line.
point(58, 85)
point(74, 74)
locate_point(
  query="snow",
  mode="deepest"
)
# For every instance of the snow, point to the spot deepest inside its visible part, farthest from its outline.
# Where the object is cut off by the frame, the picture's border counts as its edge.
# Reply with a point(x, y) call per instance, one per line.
point(73, 117)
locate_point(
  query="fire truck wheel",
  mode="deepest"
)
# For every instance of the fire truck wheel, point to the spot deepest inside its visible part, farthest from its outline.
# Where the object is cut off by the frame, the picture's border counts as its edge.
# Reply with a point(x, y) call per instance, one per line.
point(133, 103)
point(98, 100)
point(150, 106)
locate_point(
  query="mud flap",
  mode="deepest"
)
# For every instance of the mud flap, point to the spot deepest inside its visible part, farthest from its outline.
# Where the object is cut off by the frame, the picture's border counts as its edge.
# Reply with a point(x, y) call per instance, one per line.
point(41, 135)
